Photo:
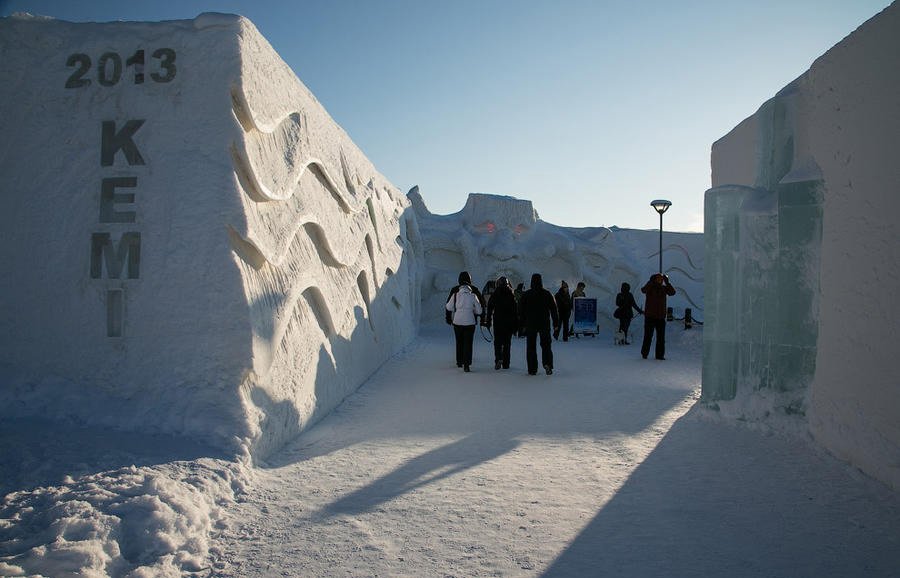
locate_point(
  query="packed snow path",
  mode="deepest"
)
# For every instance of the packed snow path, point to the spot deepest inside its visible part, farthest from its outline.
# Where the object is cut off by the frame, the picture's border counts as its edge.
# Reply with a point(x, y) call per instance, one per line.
point(606, 468)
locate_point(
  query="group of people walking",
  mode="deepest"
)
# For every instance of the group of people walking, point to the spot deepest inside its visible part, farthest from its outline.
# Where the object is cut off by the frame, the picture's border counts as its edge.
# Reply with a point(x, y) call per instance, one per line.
point(533, 313)
point(536, 313)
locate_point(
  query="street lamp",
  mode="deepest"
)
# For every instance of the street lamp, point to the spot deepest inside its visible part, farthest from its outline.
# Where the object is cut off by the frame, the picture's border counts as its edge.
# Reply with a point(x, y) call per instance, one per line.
point(661, 206)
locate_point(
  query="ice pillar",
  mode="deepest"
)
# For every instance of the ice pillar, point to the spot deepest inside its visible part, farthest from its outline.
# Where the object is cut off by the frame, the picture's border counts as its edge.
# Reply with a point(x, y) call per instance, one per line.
point(762, 264)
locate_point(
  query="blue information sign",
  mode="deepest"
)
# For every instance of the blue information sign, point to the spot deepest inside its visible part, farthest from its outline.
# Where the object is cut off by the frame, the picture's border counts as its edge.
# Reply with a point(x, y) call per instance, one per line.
point(584, 310)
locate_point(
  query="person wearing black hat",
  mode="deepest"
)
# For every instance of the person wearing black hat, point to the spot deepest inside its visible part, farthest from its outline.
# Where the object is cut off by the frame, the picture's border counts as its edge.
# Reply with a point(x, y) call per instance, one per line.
point(564, 306)
point(579, 290)
point(624, 306)
point(464, 305)
point(538, 310)
point(520, 290)
point(502, 312)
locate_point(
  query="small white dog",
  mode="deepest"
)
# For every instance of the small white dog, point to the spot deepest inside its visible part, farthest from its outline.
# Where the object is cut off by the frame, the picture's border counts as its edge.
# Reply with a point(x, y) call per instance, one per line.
point(620, 338)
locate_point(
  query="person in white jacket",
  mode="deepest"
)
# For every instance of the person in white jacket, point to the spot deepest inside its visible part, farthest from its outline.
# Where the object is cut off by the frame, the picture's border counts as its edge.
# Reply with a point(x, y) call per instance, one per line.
point(465, 306)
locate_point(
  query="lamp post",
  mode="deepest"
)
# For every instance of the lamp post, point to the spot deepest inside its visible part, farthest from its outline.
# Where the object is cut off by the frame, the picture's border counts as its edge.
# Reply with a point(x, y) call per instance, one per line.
point(661, 206)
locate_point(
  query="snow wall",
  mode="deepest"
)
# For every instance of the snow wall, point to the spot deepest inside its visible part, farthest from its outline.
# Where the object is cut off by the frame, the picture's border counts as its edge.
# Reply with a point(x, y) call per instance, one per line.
point(191, 245)
point(802, 252)
point(496, 235)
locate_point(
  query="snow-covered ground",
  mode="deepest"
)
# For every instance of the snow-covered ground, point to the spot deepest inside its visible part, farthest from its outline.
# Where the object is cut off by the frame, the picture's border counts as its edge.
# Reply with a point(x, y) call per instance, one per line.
point(608, 467)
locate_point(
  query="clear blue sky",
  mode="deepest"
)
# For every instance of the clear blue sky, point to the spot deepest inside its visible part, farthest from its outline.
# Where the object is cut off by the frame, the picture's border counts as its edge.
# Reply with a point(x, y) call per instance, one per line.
point(589, 108)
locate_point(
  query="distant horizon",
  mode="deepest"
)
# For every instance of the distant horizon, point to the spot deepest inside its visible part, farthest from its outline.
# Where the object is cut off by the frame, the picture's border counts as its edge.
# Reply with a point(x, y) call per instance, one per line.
point(588, 109)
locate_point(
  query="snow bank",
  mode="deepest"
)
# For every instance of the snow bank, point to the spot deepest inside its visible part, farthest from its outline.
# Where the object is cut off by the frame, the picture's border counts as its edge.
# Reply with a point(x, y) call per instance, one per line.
point(190, 243)
point(135, 522)
point(496, 235)
point(802, 252)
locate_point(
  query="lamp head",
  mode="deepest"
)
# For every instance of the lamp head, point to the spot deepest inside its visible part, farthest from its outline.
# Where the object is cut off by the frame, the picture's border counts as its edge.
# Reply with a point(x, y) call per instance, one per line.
point(661, 205)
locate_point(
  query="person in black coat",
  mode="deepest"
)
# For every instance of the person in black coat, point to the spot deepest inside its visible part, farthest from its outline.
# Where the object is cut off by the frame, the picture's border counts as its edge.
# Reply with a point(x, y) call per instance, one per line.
point(624, 306)
point(502, 313)
point(564, 305)
point(538, 310)
point(520, 290)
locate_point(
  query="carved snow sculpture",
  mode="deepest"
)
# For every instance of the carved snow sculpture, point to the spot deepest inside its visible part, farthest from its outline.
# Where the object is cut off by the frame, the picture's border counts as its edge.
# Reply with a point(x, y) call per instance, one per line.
point(191, 243)
point(802, 253)
point(496, 235)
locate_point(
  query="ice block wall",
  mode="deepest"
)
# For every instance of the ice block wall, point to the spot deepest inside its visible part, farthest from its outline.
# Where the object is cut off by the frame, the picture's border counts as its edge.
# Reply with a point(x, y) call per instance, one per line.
point(762, 247)
point(191, 245)
point(802, 255)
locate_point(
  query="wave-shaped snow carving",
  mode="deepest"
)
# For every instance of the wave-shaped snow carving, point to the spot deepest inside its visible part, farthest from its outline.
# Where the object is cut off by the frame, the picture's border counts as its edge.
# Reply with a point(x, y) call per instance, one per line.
point(322, 244)
point(280, 222)
point(680, 249)
point(281, 149)
point(259, 191)
point(685, 273)
point(307, 263)
point(307, 274)
point(318, 304)
point(247, 117)
point(687, 296)
point(311, 252)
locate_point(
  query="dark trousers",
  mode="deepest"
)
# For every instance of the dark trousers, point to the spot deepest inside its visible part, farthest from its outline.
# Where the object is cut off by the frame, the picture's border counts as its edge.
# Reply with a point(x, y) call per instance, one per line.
point(502, 341)
point(651, 326)
point(465, 335)
point(531, 348)
point(564, 325)
point(624, 324)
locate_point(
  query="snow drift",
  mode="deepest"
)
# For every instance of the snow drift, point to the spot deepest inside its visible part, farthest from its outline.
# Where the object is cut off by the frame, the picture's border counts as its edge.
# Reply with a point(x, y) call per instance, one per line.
point(191, 245)
point(802, 251)
point(496, 235)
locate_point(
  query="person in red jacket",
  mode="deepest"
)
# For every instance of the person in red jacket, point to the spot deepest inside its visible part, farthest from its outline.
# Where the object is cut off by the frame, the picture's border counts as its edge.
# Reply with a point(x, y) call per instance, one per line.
point(656, 290)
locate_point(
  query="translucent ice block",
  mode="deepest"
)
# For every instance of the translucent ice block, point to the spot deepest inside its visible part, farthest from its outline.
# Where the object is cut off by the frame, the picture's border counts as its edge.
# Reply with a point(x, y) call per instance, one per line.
point(761, 287)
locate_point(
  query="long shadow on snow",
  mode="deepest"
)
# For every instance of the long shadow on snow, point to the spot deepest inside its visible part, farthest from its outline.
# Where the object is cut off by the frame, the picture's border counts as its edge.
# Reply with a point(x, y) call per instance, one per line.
point(423, 469)
point(35, 452)
point(492, 421)
point(721, 499)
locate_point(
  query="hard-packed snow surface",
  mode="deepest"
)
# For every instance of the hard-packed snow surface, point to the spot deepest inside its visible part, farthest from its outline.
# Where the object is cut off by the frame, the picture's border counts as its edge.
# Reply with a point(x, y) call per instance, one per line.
point(608, 467)
point(802, 253)
point(191, 245)
point(496, 235)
